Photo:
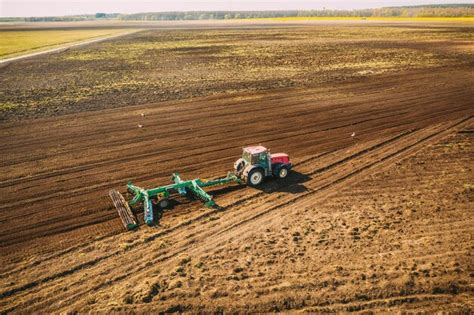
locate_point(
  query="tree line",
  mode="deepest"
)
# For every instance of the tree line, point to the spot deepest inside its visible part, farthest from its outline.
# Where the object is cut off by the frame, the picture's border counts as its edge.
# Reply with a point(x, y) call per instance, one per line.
point(446, 10)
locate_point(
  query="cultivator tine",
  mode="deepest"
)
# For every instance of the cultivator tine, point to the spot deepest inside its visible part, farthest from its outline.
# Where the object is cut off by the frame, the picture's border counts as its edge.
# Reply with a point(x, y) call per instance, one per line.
point(199, 193)
point(123, 209)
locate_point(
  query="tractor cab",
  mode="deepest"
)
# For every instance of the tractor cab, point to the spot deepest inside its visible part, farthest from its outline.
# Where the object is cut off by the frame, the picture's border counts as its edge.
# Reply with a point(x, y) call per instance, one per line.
point(255, 156)
point(257, 163)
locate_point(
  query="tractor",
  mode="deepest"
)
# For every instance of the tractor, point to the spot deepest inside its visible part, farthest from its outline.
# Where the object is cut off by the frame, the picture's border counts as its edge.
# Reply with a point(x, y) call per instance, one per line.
point(257, 163)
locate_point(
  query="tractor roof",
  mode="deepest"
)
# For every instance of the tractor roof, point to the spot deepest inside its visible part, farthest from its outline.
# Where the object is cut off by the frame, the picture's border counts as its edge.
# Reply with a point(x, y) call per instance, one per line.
point(255, 149)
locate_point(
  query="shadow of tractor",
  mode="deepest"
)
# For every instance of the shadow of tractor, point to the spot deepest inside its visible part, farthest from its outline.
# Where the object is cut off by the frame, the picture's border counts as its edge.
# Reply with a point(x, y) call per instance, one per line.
point(293, 183)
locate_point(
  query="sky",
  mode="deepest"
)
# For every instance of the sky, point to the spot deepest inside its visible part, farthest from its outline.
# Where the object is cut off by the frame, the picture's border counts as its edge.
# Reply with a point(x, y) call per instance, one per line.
point(24, 8)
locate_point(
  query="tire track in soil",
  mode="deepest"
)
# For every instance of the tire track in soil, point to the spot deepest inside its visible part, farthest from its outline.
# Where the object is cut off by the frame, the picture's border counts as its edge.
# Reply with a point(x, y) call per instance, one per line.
point(211, 104)
point(101, 144)
point(136, 159)
point(358, 305)
point(236, 203)
point(323, 129)
point(112, 217)
point(115, 182)
point(374, 101)
point(101, 186)
point(251, 195)
point(328, 185)
point(58, 194)
point(50, 231)
point(170, 159)
point(144, 156)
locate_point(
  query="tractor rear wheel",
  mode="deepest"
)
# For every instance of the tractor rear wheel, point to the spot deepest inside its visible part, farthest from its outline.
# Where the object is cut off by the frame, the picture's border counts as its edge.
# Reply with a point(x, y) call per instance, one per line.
point(283, 172)
point(255, 177)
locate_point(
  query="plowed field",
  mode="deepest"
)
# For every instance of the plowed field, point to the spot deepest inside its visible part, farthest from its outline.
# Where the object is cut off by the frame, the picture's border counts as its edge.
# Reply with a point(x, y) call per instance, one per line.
point(373, 221)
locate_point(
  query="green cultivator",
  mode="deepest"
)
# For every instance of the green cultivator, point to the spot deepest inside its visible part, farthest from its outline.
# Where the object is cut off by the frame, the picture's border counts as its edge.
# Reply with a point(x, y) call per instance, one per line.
point(159, 197)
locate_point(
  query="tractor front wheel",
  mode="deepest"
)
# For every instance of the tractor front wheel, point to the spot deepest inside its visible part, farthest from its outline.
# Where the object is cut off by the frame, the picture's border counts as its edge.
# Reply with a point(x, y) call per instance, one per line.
point(255, 177)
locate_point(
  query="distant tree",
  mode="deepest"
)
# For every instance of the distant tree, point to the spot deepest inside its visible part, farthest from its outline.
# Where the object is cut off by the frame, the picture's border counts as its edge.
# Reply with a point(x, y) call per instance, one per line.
point(440, 10)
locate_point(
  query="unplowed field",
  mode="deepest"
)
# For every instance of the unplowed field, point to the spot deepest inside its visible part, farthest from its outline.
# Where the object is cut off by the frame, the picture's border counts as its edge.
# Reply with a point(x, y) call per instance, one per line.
point(376, 214)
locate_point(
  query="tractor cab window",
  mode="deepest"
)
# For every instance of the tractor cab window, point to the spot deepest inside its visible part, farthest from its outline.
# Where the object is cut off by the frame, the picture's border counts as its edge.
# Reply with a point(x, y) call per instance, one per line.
point(247, 156)
point(254, 159)
point(250, 158)
point(263, 159)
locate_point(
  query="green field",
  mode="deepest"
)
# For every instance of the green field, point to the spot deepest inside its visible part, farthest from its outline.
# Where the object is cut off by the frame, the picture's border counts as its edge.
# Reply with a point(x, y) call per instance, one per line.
point(13, 43)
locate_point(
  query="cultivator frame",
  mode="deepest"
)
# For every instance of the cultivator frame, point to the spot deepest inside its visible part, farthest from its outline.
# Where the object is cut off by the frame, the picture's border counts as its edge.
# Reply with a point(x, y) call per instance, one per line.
point(160, 195)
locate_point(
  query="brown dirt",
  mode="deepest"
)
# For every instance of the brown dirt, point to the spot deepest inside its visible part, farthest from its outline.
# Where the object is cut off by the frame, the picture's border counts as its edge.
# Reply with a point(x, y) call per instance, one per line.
point(160, 65)
point(63, 184)
point(379, 221)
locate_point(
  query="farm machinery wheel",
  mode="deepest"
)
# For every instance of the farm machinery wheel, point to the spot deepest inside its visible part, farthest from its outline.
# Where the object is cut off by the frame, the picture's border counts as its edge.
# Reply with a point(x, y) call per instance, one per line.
point(163, 203)
point(283, 172)
point(255, 177)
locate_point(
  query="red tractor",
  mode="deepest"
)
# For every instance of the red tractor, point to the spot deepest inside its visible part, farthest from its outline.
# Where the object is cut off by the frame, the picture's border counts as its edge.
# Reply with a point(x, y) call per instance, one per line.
point(257, 163)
